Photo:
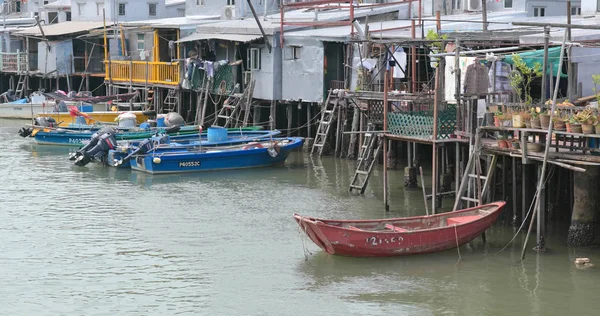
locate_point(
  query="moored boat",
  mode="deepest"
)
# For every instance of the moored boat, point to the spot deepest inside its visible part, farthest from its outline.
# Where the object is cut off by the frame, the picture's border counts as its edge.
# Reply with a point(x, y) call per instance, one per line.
point(400, 236)
point(249, 155)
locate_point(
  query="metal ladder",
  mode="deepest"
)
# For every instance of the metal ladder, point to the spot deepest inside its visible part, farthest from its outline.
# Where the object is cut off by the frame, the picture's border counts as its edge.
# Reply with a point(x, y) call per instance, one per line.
point(473, 173)
point(327, 116)
point(366, 160)
point(236, 104)
point(170, 102)
point(20, 86)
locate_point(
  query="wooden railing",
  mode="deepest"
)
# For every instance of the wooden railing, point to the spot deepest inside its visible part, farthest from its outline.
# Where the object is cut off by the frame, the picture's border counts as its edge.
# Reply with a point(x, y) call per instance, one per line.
point(13, 62)
point(142, 72)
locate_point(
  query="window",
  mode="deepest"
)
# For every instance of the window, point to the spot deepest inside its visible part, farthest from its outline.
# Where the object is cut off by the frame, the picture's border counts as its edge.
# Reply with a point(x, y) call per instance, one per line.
point(232, 2)
point(508, 4)
point(292, 52)
point(253, 59)
point(201, 2)
point(141, 43)
point(575, 10)
point(456, 4)
point(539, 11)
point(152, 9)
point(181, 12)
point(80, 8)
point(99, 8)
point(46, 2)
point(68, 16)
point(121, 9)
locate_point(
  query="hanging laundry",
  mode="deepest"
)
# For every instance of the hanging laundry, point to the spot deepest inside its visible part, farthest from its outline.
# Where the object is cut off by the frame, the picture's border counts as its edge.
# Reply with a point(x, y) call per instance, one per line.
point(502, 72)
point(398, 62)
point(449, 75)
point(476, 79)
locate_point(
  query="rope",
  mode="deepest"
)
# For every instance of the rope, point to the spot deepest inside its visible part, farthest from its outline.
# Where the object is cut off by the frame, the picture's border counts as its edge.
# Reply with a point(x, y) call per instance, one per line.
point(304, 249)
point(457, 246)
point(528, 212)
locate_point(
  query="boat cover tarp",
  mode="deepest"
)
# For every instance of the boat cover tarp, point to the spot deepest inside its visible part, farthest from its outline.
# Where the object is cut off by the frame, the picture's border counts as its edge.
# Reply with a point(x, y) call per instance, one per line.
point(530, 58)
point(92, 100)
point(20, 101)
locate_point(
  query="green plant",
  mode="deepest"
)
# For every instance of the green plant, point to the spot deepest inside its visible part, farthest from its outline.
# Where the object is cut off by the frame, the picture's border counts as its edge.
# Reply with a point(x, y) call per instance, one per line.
point(434, 36)
point(520, 79)
point(596, 80)
point(585, 117)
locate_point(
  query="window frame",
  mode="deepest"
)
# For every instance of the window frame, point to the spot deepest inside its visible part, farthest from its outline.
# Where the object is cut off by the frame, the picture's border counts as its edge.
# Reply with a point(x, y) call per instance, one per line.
point(512, 3)
point(80, 8)
point(253, 54)
point(541, 11)
point(150, 5)
point(124, 12)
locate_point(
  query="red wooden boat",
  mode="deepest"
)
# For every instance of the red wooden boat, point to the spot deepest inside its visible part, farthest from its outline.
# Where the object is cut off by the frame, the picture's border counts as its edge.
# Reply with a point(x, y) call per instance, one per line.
point(400, 236)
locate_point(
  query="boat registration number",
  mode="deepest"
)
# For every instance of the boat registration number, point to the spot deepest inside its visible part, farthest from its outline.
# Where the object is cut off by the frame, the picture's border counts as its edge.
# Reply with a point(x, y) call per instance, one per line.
point(374, 241)
point(74, 141)
point(185, 164)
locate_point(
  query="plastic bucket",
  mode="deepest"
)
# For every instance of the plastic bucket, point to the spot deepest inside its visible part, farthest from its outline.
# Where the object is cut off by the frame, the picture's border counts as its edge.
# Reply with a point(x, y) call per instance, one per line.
point(217, 134)
point(86, 108)
point(127, 122)
point(160, 122)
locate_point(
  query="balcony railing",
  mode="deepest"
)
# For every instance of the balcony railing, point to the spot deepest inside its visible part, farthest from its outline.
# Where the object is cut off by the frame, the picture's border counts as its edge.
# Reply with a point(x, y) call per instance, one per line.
point(13, 62)
point(142, 72)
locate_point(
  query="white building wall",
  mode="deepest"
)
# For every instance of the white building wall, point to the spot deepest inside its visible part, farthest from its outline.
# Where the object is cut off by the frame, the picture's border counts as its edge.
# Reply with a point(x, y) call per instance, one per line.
point(175, 10)
point(552, 7)
point(135, 10)
point(242, 9)
point(302, 78)
point(589, 7)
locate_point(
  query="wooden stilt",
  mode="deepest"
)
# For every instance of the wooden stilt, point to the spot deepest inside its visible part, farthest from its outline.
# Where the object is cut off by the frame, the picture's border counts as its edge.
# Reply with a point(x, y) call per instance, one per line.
point(385, 145)
point(514, 189)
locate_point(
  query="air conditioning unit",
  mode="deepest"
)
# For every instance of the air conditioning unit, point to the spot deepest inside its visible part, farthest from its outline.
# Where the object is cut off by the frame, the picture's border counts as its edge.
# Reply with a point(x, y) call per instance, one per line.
point(228, 12)
point(474, 5)
point(247, 77)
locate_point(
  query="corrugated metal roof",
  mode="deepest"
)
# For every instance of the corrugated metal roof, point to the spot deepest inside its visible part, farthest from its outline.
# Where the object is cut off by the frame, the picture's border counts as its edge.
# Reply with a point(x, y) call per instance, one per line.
point(63, 28)
point(59, 5)
point(226, 37)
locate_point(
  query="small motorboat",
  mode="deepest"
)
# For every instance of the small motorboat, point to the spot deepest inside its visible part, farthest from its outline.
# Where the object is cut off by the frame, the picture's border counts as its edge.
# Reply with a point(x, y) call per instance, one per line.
point(400, 236)
point(247, 155)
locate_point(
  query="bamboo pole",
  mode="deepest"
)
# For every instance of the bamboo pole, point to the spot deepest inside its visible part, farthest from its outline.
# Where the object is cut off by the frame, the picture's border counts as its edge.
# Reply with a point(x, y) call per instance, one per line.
point(547, 148)
point(385, 146)
point(434, 160)
point(545, 62)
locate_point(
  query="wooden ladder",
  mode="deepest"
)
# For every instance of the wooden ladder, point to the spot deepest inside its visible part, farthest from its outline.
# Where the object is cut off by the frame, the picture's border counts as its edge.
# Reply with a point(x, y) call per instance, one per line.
point(327, 117)
point(473, 174)
point(234, 106)
point(20, 86)
point(170, 102)
point(366, 160)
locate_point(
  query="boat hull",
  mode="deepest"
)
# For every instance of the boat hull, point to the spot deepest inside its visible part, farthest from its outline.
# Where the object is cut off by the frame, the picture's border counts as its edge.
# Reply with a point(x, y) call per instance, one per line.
point(25, 110)
point(339, 240)
point(183, 161)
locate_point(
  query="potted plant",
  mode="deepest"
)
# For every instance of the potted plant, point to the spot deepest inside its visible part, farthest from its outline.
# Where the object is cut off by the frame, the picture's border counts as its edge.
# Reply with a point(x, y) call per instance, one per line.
point(435, 47)
point(516, 144)
point(520, 79)
point(559, 123)
point(535, 119)
point(587, 119)
point(573, 125)
point(545, 120)
point(502, 143)
point(497, 116)
point(597, 126)
point(525, 117)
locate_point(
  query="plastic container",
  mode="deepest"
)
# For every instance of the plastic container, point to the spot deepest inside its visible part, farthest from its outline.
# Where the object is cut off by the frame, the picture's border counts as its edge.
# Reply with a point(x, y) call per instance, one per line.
point(86, 108)
point(145, 125)
point(160, 122)
point(127, 120)
point(217, 134)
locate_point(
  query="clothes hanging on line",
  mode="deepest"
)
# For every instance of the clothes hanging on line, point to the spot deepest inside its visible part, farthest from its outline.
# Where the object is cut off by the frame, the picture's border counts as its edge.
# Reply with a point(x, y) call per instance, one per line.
point(476, 79)
point(502, 81)
point(450, 79)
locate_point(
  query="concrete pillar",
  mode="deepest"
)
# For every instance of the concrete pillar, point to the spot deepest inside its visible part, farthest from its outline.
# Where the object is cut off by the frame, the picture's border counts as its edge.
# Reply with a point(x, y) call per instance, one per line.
point(585, 206)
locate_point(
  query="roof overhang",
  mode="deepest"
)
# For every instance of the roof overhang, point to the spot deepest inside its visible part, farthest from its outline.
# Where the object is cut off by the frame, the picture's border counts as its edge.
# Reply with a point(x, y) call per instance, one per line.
point(226, 37)
point(58, 29)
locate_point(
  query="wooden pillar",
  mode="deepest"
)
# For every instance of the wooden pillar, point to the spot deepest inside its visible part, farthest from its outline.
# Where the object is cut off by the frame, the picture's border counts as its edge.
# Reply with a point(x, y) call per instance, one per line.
point(541, 218)
point(289, 119)
point(514, 191)
point(585, 207)
point(385, 145)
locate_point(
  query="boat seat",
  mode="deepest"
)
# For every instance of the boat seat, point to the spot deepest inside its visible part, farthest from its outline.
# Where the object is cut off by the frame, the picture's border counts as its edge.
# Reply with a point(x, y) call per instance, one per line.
point(461, 219)
point(395, 228)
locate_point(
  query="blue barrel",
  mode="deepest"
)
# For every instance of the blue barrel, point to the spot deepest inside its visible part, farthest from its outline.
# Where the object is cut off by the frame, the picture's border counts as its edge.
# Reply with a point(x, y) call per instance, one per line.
point(160, 122)
point(217, 134)
point(86, 108)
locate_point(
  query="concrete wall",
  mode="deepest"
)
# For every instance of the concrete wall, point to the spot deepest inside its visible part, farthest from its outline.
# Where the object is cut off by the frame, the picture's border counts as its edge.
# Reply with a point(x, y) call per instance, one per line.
point(264, 88)
point(302, 78)
point(216, 7)
point(135, 10)
point(175, 10)
point(587, 61)
point(553, 7)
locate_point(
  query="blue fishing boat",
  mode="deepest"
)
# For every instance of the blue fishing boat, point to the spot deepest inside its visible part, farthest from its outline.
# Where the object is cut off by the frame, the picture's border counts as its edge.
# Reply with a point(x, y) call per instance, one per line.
point(104, 147)
point(249, 155)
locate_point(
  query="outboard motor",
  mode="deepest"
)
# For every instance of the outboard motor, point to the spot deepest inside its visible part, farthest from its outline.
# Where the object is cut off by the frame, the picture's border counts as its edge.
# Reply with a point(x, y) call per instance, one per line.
point(144, 146)
point(25, 131)
point(104, 134)
point(106, 142)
